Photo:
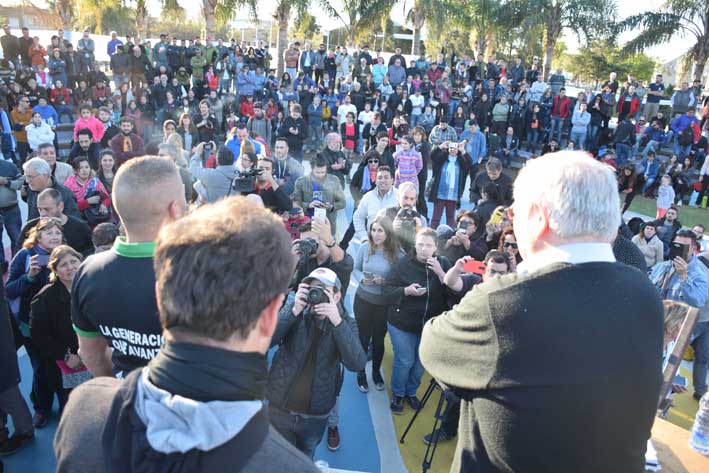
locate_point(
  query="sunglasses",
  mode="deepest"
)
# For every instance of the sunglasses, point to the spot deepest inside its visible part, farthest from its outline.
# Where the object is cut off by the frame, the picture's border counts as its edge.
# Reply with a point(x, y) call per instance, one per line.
point(507, 244)
point(373, 161)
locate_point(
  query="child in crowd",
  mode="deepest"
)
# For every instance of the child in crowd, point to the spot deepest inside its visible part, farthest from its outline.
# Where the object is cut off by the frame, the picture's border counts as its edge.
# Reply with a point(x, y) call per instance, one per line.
point(408, 163)
point(665, 196)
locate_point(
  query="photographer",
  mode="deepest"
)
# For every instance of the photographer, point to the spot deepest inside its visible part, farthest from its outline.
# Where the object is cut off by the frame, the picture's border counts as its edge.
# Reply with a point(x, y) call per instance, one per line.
point(682, 278)
point(451, 165)
point(212, 184)
point(468, 239)
point(316, 248)
point(273, 196)
point(406, 220)
point(318, 190)
point(315, 335)
point(492, 174)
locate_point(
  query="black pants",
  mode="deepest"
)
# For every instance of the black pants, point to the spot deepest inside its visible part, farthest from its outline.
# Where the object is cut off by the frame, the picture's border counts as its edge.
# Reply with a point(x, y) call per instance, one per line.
point(372, 325)
point(347, 237)
point(46, 381)
point(452, 415)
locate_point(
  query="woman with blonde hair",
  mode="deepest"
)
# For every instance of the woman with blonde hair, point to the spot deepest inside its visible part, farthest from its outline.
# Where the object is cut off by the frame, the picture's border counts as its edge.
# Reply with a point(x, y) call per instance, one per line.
point(51, 328)
point(175, 140)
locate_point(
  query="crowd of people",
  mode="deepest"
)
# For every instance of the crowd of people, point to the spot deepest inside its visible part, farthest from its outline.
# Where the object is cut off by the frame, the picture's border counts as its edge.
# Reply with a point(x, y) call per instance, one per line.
point(215, 123)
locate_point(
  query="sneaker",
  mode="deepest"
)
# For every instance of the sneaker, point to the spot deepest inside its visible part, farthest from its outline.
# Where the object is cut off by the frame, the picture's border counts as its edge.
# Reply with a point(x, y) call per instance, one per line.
point(378, 381)
point(414, 402)
point(397, 405)
point(39, 420)
point(362, 382)
point(15, 443)
point(333, 439)
point(438, 435)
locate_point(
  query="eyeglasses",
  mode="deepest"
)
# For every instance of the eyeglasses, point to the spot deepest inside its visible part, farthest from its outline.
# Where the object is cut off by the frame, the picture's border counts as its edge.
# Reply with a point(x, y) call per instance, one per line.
point(507, 244)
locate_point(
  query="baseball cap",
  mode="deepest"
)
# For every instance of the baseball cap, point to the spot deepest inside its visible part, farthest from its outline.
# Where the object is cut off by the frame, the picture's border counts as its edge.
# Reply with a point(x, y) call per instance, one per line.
point(325, 276)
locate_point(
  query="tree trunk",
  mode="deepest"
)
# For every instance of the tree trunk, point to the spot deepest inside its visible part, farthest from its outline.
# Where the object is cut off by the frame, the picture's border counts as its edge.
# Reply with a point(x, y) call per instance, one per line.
point(65, 10)
point(700, 59)
point(141, 19)
point(489, 43)
point(281, 16)
point(418, 22)
point(209, 7)
point(552, 36)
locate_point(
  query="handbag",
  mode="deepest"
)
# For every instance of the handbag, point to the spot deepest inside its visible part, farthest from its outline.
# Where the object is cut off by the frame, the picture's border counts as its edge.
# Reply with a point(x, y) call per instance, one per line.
point(92, 214)
point(71, 378)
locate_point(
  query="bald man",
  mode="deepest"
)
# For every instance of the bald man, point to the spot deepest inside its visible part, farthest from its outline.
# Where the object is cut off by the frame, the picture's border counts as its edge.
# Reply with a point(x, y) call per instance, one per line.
point(113, 299)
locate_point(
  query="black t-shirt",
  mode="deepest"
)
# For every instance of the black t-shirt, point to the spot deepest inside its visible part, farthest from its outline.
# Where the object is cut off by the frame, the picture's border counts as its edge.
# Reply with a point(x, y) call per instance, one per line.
point(114, 296)
point(77, 234)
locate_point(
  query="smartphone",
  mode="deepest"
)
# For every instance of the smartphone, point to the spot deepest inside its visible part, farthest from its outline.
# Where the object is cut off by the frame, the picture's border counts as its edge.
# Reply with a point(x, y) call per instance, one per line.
point(679, 249)
point(497, 215)
point(42, 260)
point(680, 381)
point(475, 267)
point(206, 151)
point(463, 227)
point(319, 214)
point(368, 275)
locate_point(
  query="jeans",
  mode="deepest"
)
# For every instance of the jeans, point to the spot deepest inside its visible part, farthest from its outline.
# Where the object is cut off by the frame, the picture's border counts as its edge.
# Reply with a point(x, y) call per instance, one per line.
point(415, 119)
point(506, 158)
point(648, 184)
point(592, 134)
point(579, 139)
point(119, 79)
point(532, 138)
point(451, 107)
point(333, 418)
point(292, 73)
point(406, 370)
point(303, 431)
point(224, 85)
point(557, 125)
point(650, 146)
point(700, 343)
point(314, 136)
point(622, 153)
point(681, 151)
point(12, 221)
point(372, 326)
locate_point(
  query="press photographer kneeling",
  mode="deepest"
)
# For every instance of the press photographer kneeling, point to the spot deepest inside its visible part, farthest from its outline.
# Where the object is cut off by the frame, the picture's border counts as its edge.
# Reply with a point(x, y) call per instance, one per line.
point(315, 335)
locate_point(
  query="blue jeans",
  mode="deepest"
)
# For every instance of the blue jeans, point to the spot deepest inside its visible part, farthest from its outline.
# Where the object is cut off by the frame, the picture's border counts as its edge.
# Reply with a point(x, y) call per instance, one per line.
point(302, 431)
point(650, 146)
point(532, 138)
point(506, 159)
point(700, 343)
point(622, 153)
point(557, 124)
point(648, 184)
point(592, 134)
point(12, 221)
point(406, 370)
point(451, 107)
point(681, 151)
point(579, 139)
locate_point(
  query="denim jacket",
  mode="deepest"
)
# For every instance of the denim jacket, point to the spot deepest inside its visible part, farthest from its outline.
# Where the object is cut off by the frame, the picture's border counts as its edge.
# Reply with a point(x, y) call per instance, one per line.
point(692, 291)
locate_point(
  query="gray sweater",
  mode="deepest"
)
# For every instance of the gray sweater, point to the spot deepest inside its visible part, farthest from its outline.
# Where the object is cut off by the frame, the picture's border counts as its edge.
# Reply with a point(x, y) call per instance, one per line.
point(378, 265)
point(212, 184)
point(8, 192)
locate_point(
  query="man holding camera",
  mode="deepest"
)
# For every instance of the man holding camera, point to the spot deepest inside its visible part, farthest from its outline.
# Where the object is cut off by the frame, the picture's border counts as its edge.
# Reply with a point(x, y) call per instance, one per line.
point(319, 190)
point(682, 278)
point(315, 337)
point(273, 196)
point(406, 220)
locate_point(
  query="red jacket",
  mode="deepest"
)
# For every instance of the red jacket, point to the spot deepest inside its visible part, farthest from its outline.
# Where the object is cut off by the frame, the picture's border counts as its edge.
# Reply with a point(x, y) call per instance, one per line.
point(247, 109)
point(54, 94)
point(634, 104)
point(563, 107)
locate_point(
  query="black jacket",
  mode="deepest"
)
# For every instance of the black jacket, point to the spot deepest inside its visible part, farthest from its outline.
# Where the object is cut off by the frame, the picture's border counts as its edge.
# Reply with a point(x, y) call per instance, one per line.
point(10, 372)
point(624, 133)
point(336, 345)
point(50, 322)
point(332, 157)
point(409, 313)
point(512, 350)
point(277, 201)
point(503, 183)
point(92, 153)
point(295, 141)
point(70, 207)
point(438, 159)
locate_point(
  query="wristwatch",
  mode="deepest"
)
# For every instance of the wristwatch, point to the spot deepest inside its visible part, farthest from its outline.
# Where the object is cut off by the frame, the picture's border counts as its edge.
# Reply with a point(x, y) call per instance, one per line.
point(331, 245)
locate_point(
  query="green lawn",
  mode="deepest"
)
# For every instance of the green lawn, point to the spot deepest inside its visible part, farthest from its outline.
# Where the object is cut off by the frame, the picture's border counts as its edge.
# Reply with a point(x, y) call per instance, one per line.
point(689, 216)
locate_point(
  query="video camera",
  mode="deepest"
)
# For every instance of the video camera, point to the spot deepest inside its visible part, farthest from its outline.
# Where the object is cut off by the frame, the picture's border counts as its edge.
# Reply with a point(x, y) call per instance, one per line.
point(244, 182)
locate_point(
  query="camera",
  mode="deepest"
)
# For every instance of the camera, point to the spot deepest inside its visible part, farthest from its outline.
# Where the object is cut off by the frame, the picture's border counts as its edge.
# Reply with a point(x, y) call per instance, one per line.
point(308, 247)
point(206, 151)
point(463, 227)
point(244, 182)
point(407, 215)
point(316, 295)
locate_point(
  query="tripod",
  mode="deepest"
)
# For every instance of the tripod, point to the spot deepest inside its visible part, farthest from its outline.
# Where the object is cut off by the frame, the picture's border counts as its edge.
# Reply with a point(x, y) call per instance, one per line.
point(438, 417)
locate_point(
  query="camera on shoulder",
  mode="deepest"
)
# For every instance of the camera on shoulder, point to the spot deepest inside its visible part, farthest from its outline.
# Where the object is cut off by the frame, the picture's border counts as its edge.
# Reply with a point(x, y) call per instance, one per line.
point(245, 181)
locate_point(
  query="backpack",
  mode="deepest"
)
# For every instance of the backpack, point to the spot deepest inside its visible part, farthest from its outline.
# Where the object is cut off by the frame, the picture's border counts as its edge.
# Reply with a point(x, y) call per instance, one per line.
point(686, 136)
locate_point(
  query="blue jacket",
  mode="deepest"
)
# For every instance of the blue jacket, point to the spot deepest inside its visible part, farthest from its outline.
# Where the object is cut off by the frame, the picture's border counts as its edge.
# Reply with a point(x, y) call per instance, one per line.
point(47, 113)
point(315, 115)
point(653, 170)
point(235, 146)
point(476, 147)
point(259, 80)
point(681, 122)
point(655, 135)
point(245, 83)
point(19, 286)
point(692, 291)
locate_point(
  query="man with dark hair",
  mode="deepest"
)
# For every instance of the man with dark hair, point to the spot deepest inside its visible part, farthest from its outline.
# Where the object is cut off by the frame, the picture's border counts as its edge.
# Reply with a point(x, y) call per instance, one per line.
point(492, 174)
point(213, 184)
point(286, 169)
point(371, 131)
point(683, 278)
point(315, 335)
point(85, 146)
point(126, 145)
point(241, 134)
point(273, 196)
point(319, 190)
point(113, 298)
point(104, 236)
point(76, 232)
point(198, 405)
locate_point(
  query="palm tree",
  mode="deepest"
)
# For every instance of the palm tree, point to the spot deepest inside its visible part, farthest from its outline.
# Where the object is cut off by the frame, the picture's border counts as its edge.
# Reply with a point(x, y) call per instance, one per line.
point(361, 14)
point(141, 18)
point(223, 10)
point(675, 19)
point(65, 10)
point(431, 12)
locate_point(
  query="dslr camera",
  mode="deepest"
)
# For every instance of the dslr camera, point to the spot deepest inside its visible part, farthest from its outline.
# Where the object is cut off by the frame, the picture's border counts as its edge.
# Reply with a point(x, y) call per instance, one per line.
point(407, 216)
point(245, 181)
point(317, 295)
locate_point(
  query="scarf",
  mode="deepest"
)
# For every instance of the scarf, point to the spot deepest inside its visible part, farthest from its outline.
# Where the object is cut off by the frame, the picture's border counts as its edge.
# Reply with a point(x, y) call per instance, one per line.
point(367, 179)
point(451, 174)
point(207, 374)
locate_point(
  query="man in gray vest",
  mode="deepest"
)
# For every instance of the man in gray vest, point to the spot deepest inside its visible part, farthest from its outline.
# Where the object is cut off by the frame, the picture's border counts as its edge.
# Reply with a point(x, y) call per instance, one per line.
point(682, 99)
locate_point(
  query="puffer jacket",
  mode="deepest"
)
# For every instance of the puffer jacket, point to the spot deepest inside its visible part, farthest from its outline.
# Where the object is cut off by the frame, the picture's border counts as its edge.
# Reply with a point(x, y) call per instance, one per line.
point(336, 345)
point(409, 313)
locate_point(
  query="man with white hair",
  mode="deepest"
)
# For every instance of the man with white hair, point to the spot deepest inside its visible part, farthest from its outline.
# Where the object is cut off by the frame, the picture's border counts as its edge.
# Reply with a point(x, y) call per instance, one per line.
point(559, 365)
point(38, 177)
